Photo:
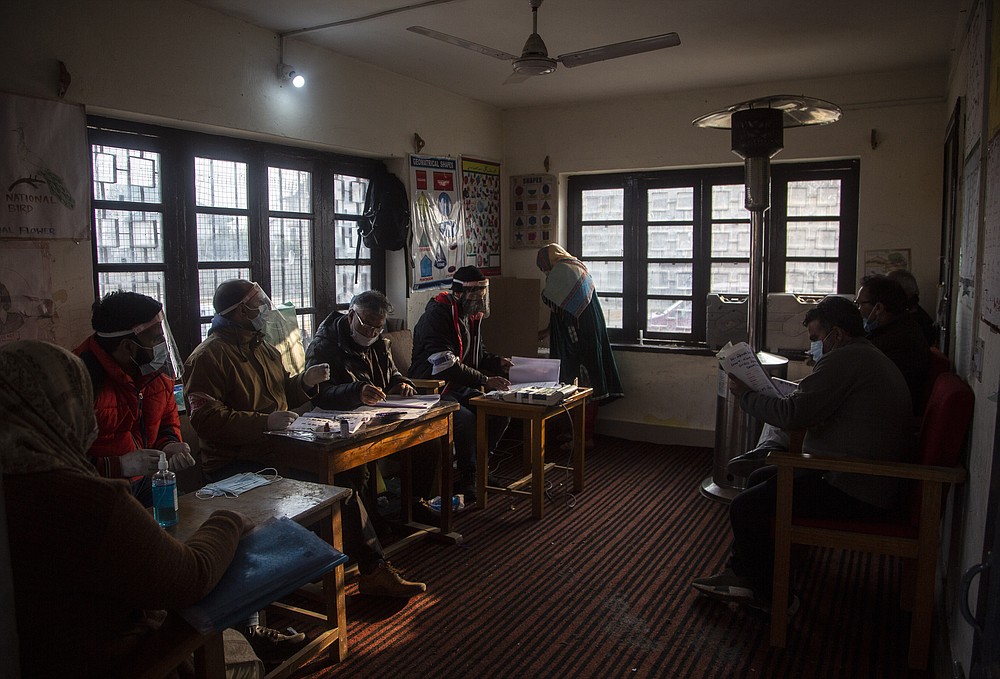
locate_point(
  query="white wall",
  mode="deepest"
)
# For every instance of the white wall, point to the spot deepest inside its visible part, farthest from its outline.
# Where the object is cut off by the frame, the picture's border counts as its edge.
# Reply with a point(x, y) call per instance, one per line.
point(172, 63)
point(900, 203)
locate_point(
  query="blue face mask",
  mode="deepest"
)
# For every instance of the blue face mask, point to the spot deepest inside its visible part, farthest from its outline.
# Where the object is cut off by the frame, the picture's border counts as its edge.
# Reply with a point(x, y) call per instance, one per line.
point(816, 350)
point(869, 323)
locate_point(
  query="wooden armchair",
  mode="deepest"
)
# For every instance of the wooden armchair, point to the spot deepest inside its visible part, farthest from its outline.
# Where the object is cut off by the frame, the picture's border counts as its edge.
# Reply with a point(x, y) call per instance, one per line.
point(401, 347)
point(912, 536)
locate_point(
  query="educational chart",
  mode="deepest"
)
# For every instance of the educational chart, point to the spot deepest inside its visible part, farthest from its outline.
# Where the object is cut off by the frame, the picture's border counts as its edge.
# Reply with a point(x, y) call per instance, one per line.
point(481, 202)
point(534, 210)
point(436, 215)
point(44, 169)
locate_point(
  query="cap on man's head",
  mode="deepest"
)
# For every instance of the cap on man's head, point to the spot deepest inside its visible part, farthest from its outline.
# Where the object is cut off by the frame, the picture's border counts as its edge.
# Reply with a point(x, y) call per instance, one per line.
point(230, 293)
point(122, 312)
point(468, 278)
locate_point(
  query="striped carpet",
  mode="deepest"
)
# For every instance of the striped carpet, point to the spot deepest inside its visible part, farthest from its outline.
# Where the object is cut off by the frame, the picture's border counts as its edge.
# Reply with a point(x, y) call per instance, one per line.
point(601, 589)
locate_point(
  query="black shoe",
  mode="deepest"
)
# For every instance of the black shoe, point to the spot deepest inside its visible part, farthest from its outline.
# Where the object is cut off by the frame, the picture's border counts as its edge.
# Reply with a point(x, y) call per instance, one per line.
point(746, 464)
point(270, 645)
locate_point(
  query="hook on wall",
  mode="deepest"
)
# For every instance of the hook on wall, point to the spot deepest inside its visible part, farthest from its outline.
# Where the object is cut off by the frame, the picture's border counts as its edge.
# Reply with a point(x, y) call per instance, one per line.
point(546, 163)
point(875, 141)
point(418, 143)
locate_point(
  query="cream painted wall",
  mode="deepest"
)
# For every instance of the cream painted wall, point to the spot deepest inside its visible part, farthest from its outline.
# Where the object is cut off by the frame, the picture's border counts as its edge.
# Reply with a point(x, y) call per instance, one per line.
point(172, 63)
point(900, 193)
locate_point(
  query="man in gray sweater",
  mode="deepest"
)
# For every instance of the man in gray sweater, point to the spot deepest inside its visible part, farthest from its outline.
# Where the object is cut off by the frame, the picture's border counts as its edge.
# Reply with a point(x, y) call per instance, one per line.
point(855, 403)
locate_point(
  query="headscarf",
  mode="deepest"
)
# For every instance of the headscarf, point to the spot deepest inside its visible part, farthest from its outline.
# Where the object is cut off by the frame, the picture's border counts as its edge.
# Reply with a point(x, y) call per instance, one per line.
point(568, 284)
point(46, 404)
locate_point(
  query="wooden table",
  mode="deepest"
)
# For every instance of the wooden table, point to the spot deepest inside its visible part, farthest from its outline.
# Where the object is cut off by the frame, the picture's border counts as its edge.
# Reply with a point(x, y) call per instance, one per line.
point(327, 457)
point(533, 419)
point(307, 504)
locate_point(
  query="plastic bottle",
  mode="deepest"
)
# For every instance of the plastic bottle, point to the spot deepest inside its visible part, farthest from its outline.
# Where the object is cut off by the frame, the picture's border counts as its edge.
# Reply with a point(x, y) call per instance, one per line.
point(164, 494)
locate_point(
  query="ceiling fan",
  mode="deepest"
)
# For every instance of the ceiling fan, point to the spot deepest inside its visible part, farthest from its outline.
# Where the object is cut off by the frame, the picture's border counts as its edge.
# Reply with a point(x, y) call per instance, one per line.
point(535, 59)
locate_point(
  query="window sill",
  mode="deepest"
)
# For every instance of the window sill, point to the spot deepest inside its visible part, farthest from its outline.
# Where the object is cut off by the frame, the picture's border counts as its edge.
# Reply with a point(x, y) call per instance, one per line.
point(654, 347)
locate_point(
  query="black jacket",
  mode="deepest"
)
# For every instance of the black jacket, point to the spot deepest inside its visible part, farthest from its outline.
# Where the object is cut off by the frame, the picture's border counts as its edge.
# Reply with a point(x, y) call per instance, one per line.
point(902, 340)
point(351, 366)
point(442, 329)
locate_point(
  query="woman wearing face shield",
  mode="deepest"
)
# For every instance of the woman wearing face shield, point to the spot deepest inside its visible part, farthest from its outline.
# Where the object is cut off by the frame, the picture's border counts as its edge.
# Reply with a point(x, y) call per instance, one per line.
point(132, 362)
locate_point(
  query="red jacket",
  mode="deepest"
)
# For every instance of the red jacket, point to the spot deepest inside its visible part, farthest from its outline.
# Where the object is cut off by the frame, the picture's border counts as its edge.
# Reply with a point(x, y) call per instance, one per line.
point(130, 414)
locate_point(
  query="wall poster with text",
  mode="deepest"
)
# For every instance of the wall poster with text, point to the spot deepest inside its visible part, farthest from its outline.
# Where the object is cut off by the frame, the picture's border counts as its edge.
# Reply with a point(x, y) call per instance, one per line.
point(534, 210)
point(481, 203)
point(436, 215)
point(44, 169)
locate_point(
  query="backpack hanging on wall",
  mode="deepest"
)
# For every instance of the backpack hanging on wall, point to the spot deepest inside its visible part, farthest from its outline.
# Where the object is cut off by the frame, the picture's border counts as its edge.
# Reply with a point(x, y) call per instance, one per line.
point(385, 222)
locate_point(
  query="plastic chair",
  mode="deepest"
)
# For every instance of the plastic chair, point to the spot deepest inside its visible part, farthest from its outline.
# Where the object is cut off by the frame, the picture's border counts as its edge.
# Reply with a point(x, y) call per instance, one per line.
point(914, 535)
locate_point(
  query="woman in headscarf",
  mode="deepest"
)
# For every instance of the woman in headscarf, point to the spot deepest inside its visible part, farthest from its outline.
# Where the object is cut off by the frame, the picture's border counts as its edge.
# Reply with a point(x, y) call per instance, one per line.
point(87, 559)
point(578, 335)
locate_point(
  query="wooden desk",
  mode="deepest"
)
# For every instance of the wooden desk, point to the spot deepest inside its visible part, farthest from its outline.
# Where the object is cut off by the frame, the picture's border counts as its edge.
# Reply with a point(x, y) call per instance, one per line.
point(327, 457)
point(306, 504)
point(533, 418)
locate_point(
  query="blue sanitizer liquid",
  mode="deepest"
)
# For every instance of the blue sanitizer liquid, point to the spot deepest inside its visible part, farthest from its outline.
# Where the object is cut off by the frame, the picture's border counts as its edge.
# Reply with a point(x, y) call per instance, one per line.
point(165, 502)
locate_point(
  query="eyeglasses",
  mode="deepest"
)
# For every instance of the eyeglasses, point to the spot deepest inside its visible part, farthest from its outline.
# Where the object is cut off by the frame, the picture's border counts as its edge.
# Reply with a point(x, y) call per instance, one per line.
point(859, 302)
point(369, 330)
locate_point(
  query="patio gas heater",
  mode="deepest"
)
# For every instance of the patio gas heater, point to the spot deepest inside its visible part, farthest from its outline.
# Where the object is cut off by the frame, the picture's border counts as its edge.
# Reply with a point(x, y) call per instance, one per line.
point(757, 136)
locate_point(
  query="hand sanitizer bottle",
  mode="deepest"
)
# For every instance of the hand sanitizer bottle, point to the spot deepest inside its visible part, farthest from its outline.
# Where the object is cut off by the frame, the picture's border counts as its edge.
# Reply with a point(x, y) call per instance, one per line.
point(164, 494)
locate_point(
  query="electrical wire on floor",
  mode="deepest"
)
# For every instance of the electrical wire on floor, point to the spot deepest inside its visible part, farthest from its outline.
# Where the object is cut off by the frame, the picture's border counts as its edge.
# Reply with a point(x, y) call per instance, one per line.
point(549, 489)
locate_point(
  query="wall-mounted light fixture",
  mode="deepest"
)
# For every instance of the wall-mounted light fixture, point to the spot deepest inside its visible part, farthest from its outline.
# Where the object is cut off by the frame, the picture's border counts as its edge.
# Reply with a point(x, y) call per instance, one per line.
point(285, 72)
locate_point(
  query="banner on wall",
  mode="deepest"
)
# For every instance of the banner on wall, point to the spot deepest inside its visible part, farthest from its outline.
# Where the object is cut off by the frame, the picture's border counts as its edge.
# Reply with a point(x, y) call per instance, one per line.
point(44, 169)
point(26, 305)
point(534, 210)
point(481, 203)
point(436, 215)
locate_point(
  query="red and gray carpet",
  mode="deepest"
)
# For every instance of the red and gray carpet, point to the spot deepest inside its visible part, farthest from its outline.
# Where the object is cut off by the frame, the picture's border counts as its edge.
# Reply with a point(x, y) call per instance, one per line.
point(601, 589)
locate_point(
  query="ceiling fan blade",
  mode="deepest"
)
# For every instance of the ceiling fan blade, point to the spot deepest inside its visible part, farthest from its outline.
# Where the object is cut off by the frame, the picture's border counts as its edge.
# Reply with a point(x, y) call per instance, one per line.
point(461, 42)
point(619, 49)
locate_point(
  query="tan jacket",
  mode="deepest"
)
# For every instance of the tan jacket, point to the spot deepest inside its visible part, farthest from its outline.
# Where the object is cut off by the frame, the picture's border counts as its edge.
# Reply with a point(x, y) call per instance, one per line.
point(232, 382)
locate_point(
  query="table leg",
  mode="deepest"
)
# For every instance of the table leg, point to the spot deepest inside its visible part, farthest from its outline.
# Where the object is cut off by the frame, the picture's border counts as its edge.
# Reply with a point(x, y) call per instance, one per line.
point(579, 444)
point(445, 443)
point(482, 457)
point(333, 590)
point(537, 432)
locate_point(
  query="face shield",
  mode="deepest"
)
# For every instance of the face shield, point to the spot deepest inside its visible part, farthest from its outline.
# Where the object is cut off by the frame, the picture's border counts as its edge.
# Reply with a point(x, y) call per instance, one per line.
point(155, 337)
point(278, 325)
point(476, 299)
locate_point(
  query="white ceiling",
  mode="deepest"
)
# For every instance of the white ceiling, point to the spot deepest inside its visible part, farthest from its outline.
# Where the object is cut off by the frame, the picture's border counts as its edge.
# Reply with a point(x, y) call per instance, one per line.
point(723, 42)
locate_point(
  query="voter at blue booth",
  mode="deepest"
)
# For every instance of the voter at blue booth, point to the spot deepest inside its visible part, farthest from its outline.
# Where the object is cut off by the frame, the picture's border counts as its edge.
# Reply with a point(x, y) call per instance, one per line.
point(855, 403)
point(238, 388)
point(448, 345)
point(132, 362)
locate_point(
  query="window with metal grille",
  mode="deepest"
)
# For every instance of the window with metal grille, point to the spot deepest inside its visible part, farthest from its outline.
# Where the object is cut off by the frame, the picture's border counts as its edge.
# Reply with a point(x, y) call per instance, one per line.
point(176, 213)
point(657, 243)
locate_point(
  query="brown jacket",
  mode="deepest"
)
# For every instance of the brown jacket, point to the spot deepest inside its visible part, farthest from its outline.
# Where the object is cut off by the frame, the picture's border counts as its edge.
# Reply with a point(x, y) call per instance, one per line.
point(232, 382)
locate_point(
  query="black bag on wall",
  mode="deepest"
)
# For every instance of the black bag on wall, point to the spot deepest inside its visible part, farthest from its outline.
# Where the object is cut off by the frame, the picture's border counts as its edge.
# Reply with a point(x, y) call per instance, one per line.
point(385, 222)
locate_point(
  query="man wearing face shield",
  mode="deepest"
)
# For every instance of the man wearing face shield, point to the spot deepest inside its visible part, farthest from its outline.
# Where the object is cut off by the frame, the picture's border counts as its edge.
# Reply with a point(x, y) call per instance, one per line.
point(237, 387)
point(131, 359)
point(447, 345)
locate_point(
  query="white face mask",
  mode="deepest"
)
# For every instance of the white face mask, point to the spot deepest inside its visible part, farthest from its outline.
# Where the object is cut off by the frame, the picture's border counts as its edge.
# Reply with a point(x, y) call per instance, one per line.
point(159, 359)
point(260, 320)
point(238, 484)
point(360, 338)
point(816, 350)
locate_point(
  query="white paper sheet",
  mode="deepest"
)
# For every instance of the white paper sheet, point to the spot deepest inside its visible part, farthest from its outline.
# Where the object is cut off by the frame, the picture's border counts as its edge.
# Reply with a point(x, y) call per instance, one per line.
point(534, 371)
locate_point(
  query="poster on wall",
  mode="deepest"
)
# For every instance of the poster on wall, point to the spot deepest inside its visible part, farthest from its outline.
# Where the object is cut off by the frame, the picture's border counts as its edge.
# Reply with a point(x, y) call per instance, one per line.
point(25, 293)
point(969, 228)
point(883, 261)
point(990, 307)
point(975, 56)
point(436, 214)
point(534, 210)
point(481, 203)
point(44, 169)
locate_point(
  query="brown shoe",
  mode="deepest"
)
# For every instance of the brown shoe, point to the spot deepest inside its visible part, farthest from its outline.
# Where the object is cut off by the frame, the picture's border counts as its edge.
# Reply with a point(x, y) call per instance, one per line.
point(387, 581)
